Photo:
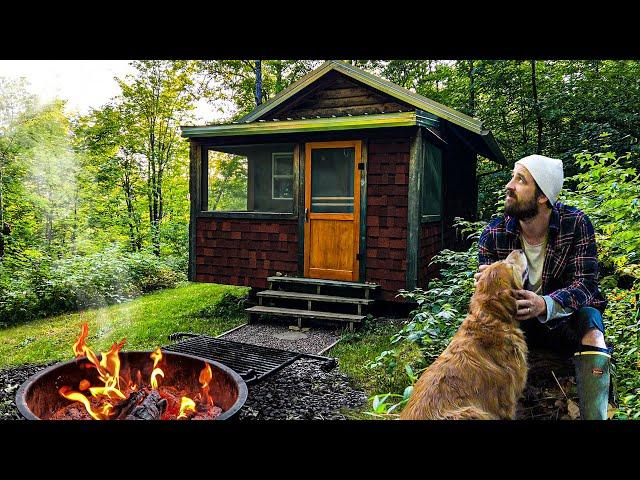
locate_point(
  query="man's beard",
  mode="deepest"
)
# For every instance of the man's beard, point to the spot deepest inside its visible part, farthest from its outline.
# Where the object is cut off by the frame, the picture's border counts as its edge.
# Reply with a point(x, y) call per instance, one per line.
point(521, 210)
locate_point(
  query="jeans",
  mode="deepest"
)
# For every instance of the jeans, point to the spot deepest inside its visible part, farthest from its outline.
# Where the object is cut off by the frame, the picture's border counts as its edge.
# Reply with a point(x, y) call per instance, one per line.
point(566, 338)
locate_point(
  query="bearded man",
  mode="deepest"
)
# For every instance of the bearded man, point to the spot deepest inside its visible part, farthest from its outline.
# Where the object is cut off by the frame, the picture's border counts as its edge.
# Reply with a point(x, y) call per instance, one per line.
point(561, 306)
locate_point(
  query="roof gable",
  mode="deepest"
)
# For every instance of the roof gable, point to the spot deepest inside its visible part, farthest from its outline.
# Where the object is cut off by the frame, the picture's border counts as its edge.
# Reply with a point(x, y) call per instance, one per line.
point(398, 96)
point(336, 94)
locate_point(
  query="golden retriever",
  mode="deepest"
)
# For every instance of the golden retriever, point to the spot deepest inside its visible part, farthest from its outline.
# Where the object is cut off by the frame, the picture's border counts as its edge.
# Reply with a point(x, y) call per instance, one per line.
point(483, 371)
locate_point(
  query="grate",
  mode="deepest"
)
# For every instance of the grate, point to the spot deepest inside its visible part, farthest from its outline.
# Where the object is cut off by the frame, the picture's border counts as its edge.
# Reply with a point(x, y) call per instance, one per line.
point(252, 362)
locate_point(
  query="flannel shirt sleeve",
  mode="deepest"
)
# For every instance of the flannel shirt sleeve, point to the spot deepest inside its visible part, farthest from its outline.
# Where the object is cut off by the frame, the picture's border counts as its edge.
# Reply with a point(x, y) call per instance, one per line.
point(581, 271)
point(487, 247)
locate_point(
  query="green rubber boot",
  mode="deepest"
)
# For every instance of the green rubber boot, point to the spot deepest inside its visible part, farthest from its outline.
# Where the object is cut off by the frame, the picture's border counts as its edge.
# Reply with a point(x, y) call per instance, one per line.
point(593, 377)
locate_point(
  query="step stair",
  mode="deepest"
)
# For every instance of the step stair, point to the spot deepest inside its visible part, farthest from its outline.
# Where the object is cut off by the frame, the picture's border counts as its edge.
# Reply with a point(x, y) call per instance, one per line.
point(300, 314)
point(326, 300)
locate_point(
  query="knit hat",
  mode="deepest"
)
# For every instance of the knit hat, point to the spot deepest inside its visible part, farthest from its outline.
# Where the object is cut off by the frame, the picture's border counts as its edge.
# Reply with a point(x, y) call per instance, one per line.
point(547, 172)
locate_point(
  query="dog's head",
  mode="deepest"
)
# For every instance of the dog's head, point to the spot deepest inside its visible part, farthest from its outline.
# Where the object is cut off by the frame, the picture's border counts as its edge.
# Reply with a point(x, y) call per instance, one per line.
point(495, 292)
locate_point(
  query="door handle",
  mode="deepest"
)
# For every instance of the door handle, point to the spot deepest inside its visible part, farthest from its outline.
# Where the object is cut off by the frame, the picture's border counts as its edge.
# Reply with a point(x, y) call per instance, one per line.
point(306, 214)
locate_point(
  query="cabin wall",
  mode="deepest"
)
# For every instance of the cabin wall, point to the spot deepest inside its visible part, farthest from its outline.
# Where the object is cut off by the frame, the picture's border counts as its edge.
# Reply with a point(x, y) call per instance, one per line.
point(387, 202)
point(459, 193)
point(245, 252)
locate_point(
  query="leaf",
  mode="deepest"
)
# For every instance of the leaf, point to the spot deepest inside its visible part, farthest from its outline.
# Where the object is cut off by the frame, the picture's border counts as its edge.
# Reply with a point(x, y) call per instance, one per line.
point(573, 409)
point(407, 392)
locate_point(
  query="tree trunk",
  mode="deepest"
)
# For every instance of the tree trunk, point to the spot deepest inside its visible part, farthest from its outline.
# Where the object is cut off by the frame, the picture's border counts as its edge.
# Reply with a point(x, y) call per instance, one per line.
point(258, 72)
point(472, 92)
point(536, 106)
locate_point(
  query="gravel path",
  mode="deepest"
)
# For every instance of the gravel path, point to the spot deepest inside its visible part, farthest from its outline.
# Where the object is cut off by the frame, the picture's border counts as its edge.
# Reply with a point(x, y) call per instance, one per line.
point(299, 391)
point(280, 336)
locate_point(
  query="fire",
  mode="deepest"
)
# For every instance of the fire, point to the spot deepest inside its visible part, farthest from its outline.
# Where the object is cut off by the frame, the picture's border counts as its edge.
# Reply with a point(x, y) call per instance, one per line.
point(117, 396)
point(204, 378)
point(156, 356)
point(186, 405)
point(79, 346)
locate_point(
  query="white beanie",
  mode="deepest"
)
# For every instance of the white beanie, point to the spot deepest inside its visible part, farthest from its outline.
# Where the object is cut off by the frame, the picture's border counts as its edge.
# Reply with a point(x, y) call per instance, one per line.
point(547, 172)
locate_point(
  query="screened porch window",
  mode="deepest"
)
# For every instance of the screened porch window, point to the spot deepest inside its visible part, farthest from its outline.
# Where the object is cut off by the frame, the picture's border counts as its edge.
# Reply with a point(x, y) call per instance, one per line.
point(282, 176)
point(250, 178)
point(432, 183)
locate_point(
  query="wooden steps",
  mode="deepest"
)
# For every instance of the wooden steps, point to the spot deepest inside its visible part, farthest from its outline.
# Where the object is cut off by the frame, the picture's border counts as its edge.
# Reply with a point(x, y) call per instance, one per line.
point(293, 312)
point(313, 297)
point(326, 300)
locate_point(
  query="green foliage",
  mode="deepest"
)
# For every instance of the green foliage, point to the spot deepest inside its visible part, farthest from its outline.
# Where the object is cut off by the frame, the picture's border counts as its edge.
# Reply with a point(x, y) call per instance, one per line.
point(609, 194)
point(38, 286)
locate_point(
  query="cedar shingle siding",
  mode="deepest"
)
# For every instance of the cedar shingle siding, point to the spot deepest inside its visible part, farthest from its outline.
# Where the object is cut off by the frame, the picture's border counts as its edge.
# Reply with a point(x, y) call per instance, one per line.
point(387, 197)
point(245, 252)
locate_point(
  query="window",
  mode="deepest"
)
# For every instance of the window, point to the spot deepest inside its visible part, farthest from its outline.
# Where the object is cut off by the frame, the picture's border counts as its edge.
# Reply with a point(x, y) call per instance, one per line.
point(249, 178)
point(432, 183)
point(282, 176)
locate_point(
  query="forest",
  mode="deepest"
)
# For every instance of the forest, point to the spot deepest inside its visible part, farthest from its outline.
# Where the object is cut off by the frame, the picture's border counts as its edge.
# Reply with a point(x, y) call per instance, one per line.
point(94, 208)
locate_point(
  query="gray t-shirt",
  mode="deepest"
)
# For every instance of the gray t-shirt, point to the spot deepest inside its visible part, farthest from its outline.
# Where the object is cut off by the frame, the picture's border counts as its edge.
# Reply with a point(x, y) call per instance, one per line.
point(535, 258)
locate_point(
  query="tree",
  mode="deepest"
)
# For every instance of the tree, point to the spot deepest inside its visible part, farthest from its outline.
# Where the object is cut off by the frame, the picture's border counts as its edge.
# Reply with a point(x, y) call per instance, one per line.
point(155, 101)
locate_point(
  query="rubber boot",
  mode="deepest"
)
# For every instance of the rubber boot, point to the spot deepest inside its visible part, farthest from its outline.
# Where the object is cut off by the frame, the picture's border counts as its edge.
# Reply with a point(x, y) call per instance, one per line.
point(593, 377)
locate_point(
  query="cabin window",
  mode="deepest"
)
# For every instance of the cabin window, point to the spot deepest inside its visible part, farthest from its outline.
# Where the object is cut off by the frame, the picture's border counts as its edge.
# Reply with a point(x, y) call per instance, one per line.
point(249, 178)
point(282, 176)
point(432, 183)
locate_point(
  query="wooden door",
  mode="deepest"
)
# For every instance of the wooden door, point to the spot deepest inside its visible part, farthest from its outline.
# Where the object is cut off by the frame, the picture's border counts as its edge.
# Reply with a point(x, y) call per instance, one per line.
point(332, 210)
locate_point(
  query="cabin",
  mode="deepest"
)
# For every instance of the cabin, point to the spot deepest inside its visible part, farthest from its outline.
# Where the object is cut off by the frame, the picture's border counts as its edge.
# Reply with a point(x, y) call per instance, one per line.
point(343, 182)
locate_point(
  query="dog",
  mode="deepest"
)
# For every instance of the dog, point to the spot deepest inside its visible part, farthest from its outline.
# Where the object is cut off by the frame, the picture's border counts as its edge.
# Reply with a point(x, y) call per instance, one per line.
point(482, 372)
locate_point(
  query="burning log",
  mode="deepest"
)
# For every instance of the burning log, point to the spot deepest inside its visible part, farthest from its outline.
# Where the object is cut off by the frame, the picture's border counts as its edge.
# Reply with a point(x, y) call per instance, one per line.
point(122, 409)
point(151, 407)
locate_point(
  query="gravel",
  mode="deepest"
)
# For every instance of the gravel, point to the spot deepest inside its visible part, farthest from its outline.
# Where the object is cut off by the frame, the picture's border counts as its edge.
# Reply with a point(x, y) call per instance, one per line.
point(313, 340)
point(301, 390)
point(10, 381)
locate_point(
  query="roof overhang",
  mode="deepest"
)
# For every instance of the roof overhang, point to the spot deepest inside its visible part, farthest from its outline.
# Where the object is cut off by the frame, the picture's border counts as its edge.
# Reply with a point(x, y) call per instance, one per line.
point(488, 146)
point(383, 120)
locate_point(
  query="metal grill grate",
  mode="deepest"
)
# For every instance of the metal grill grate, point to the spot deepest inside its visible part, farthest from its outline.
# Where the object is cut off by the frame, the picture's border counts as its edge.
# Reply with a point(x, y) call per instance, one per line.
point(252, 362)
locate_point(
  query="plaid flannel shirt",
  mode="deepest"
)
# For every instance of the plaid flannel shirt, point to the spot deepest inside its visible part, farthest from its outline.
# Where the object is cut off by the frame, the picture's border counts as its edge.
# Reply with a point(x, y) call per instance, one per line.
point(570, 270)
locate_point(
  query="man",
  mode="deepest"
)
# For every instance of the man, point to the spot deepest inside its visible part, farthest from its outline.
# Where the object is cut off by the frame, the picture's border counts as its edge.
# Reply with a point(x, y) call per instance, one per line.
point(561, 306)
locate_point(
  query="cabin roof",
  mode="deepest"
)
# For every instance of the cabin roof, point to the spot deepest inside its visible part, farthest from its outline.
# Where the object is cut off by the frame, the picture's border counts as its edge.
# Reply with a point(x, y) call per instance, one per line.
point(426, 114)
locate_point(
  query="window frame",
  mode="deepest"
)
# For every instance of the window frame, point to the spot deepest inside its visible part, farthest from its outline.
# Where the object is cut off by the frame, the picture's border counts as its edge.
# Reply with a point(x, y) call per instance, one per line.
point(428, 156)
point(274, 155)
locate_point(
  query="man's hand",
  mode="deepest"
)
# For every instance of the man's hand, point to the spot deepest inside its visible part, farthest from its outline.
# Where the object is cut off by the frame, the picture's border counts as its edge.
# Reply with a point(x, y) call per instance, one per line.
point(481, 269)
point(530, 305)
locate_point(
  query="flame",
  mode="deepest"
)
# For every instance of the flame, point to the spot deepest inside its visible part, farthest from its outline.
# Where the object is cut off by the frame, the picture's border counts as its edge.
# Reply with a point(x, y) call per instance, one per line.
point(186, 405)
point(156, 355)
point(204, 378)
point(84, 385)
point(79, 346)
point(101, 414)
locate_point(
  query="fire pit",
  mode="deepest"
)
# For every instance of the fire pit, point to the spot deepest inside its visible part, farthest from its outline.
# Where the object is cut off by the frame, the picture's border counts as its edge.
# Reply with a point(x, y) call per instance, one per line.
point(131, 386)
point(39, 397)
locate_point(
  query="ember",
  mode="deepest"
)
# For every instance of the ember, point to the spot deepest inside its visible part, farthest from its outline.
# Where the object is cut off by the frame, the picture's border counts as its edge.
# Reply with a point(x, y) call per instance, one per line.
point(121, 398)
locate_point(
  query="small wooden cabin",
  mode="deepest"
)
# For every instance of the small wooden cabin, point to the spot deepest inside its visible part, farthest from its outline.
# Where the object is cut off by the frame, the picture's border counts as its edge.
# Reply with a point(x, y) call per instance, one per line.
point(344, 176)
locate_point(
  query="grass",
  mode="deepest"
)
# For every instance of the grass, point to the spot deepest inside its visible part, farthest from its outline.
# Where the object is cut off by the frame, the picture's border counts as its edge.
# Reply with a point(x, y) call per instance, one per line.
point(357, 350)
point(145, 322)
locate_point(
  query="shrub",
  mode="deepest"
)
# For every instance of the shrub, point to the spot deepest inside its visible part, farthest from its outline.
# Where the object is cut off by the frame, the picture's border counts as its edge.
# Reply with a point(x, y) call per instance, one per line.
point(38, 286)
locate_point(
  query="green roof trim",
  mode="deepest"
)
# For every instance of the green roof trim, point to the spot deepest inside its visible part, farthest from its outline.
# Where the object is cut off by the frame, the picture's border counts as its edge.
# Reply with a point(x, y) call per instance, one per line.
point(382, 120)
point(396, 91)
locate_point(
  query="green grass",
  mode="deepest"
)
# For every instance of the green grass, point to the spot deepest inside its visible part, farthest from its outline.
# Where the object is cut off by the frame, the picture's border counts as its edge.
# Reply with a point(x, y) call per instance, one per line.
point(145, 322)
point(356, 351)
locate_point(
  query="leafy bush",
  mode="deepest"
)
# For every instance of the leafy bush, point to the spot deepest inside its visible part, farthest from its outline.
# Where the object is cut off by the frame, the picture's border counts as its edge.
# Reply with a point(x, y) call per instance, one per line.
point(38, 286)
